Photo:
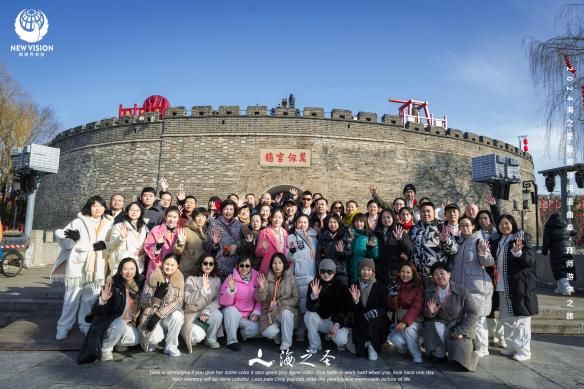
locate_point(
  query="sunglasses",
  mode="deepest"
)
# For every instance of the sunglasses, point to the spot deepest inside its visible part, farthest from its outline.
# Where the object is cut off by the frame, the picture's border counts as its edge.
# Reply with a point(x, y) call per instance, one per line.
point(307, 198)
point(208, 264)
point(244, 265)
point(328, 272)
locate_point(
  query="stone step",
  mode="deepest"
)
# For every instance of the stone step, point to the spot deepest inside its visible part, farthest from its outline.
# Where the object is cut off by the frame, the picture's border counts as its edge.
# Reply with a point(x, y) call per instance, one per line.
point(27, 304)
point(8, 317)
point(553, 312)
point(560, 327)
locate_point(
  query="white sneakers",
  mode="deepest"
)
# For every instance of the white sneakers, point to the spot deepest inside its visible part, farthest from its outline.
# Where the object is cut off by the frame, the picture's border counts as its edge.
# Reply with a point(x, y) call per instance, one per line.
point(61, 334)
point(482, 353)
point(522, 357)
point(212, 343)
point(107, 356)
point(372, 354)
point(172, 351)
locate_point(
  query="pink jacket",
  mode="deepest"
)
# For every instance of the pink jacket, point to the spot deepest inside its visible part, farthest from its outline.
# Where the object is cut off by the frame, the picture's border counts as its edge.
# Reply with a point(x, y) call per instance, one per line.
point(267, 234)
point(244, 296)
point(150, 246)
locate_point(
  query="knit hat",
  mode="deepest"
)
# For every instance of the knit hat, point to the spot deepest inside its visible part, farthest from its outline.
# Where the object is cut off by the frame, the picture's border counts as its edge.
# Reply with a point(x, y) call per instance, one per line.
point(367, 262)
point(327, 264)
point(409, 187)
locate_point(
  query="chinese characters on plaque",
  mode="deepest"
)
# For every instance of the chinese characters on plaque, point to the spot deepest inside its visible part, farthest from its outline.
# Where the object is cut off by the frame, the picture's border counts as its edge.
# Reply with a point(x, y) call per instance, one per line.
point(285, 157)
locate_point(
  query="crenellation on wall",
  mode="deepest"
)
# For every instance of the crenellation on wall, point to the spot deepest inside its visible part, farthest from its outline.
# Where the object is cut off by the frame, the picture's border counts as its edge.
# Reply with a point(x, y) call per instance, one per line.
point(201, 110)
point(341, 114)
point(284, 111)
point(454, 133)
point(391, 120)
point(471, 136)
point(367, 117)
point(313, 112)
point(229, 110)
point(176, 112)
point(486, 140)
point(256, 110)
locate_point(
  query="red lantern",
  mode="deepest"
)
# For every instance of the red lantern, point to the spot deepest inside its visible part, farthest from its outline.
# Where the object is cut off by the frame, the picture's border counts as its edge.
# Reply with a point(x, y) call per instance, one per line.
point(525, 147)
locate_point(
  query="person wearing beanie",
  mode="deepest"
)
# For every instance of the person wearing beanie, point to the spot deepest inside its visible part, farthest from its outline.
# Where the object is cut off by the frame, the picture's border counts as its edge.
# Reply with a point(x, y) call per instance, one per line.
point(327, 302)
point(369, 307)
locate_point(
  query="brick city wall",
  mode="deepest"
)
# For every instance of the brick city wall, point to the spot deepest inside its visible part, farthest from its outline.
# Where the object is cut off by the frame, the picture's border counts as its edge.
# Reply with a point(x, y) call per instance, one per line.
point(218, 152)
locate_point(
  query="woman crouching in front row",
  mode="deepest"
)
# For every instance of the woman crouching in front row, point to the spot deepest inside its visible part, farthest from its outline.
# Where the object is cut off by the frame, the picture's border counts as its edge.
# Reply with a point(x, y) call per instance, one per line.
point(162, 300)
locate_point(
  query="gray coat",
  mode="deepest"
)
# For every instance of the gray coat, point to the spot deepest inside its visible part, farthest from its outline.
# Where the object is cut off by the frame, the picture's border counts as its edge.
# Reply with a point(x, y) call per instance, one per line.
point(468, 270)
point(460, 316)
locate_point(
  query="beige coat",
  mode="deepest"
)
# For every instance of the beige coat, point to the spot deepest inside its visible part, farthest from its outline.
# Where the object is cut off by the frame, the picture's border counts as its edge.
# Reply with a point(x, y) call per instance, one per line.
point(191, 249)
point(287, 298)
point(197, 302)
point(172, 301)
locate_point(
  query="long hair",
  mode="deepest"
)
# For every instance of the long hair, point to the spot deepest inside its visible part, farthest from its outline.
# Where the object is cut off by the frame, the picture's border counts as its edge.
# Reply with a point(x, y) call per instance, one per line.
point(511, 220)
point(485, 212)
point(137, 278)
point(199, 268)
point(140, 222)
point(415, 276)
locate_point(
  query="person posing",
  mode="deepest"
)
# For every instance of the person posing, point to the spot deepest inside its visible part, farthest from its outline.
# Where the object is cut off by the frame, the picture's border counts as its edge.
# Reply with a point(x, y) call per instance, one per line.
point(338, 208)
point(452, 213)
point(450, 319)
point(363, 245)
point(81, 264)
point(241, 309)
point(249, 238)
point(317, 218)
point(202, 316)
point(515, 284)
point(243, 214)
point(290, 210)
point(372, 216)
point(334, 243)
point(279, 296)
point(265, 212)
point(557, 239)
point(351, 209)
point(302, 248)
point(406, 300)
point(485, 223)
point(153, 214)
point(162, 300)
point(395, 246)
point(222, 239)
point(406, 218)
point(128, 237)
point(161, 240)
point(189, 243)
point(431, 241)
point(328, 303)
point(116, 209)
point(188, 206)
point(370, 322)
point(114, 315)
point(306, 203)
point(468, 270)
point(271, 240)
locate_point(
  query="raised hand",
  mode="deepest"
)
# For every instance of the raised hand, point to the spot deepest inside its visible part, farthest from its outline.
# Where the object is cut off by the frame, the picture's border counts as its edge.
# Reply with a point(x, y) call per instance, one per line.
point(265, 245)
point(340, 246)
point(160, 290)
point(433, 306)
point(278, 198)
point(373, 190)
point(249, 237)
point(372, 241)
point(160, 237)
point(216, 235)
point(517, 246)
point(491, 200)
point(445, 233)
point(315, 288)
point(73, 235)
point(262, 281)
point(483, 247)
point(106, 292)
point(123, 231)
point(241, 203)
point(182, 235)
point(355, 293)
point(398, 232)
point(163, 182)
point(206, 283)
point(294, 193)
point(445, 203)
point(181, 195)
point(231, 282)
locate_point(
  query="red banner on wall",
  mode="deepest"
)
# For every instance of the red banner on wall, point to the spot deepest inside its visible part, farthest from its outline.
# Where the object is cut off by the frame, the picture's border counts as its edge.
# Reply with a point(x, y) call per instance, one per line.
point(285, 157)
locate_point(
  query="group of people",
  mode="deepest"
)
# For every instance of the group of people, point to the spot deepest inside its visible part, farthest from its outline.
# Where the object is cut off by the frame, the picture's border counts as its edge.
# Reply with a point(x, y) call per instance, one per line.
point(403, 273)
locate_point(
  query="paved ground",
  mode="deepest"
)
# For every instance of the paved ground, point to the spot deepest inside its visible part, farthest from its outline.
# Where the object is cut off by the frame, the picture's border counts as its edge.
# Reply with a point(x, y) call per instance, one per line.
point(32, 359)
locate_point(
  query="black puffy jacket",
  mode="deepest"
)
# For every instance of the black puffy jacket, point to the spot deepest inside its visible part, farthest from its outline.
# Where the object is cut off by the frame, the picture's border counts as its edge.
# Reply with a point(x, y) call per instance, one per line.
point(556, 240)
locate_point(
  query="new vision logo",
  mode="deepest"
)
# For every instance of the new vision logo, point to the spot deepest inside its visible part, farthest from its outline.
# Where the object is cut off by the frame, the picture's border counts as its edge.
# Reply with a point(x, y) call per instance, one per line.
point(31, 25)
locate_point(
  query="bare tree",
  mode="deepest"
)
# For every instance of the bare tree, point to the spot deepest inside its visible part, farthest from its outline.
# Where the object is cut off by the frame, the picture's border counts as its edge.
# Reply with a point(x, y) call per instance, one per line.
point(547, 60)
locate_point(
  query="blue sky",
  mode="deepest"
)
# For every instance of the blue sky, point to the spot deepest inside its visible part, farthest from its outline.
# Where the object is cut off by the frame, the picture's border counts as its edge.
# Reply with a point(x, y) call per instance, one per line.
point(466, 58)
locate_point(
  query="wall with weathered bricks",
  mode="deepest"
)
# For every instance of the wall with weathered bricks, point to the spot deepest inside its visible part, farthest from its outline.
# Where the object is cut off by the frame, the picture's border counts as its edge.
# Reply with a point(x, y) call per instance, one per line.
point(217, 152)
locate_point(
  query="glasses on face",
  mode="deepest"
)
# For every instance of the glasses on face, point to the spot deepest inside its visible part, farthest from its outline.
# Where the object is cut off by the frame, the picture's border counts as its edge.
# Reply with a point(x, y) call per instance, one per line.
point(307, 198)
point(327, 272)
point(244, 265)
point(208, 264)
point(466, 225)
point(339, 208)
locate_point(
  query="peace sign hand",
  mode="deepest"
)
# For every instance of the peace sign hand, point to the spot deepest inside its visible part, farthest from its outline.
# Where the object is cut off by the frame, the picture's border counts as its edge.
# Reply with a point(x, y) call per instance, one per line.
point(398, 232)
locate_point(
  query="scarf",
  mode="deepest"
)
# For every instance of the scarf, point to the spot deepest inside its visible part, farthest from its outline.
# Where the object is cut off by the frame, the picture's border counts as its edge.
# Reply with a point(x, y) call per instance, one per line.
point(95, 266)
point(245, 278)
point(365, 287)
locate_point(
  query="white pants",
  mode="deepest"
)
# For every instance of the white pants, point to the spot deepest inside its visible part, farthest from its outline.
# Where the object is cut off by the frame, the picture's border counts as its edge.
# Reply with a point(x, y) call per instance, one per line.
point(440, 351)
point(171, 325)
point(214, 321)
point(481, 340)
point(495, 328)
point(232, 320)
point(77, 303)
point(285, 326)
point(517, 329)
point(315, 324)
point(120, 333)
point(410, 338)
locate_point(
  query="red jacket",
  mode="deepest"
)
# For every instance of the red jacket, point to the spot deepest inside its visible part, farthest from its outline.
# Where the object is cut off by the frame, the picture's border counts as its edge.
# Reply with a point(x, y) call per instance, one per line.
point(409, 297)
